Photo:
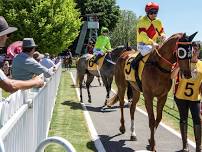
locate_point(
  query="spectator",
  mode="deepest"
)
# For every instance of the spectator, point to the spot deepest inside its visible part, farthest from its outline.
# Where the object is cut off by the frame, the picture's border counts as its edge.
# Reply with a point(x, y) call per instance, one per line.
point(38, 56)
point(7, 84)
point(24, 66)
point(89, 47)
point(187, 97)
point(69, 54)
point(47, 62)
point(57, 60)
point(6, 68)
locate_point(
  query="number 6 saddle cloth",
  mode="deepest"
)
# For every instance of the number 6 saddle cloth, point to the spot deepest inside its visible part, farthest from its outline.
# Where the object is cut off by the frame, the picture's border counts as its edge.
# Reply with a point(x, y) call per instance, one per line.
point(130, 73)
point(94, 66)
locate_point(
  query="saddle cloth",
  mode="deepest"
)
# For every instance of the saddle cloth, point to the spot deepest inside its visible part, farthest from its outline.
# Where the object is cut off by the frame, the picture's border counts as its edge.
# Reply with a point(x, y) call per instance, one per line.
point(94, 66)
point(129, 71)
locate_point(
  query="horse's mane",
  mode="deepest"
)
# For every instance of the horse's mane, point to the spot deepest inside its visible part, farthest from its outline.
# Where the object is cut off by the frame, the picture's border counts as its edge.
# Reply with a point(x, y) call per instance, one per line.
point(119, 48)
point(176, 35)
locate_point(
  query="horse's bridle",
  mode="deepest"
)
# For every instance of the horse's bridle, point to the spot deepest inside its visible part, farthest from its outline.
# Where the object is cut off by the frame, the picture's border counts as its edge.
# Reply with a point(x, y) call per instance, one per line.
point(174, 52)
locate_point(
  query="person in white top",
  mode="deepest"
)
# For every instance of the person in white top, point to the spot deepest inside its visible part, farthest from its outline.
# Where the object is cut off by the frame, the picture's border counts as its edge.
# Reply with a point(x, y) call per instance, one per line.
point(47, 62)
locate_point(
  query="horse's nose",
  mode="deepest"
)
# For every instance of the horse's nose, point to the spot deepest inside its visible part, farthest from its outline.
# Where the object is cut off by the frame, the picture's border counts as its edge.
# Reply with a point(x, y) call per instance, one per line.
point(186, 73)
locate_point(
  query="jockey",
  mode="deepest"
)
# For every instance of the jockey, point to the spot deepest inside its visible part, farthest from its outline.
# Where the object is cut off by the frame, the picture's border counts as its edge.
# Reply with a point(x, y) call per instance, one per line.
point(102, 44)
point(149, 28)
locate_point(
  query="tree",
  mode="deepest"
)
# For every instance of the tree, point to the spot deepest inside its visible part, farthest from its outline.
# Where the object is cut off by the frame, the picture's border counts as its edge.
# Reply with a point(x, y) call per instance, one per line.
point(108, 9)
point(125, 30)
point(54, 24)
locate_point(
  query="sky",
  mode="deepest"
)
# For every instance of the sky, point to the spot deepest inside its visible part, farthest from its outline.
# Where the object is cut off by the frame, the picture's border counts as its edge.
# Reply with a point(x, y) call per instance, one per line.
point(176, 15)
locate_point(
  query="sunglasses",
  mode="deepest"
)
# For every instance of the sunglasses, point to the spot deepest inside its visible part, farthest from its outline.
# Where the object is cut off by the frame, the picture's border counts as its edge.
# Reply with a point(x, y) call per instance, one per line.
point(151, 12)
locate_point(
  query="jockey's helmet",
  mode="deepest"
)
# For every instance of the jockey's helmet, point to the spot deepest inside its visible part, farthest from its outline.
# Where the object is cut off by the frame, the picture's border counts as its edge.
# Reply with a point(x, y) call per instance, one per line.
point(104, 30)
point(151, 6)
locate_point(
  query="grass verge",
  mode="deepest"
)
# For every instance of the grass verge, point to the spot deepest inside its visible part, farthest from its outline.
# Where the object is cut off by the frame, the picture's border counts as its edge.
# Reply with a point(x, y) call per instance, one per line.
point(68, 119)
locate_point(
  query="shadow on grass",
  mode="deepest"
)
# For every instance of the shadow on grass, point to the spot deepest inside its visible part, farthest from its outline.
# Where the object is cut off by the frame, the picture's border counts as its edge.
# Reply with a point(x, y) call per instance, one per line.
point(113, 146)
point(90, 145)
point(73, 105)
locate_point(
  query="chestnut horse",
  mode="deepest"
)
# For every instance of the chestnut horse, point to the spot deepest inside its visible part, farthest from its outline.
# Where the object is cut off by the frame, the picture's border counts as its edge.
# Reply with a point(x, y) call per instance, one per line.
point(106, 71)
point(156, 81)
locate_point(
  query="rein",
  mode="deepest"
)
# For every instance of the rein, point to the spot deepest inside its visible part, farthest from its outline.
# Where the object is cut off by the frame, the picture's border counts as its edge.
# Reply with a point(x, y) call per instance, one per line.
point(110, 58)
point(164, 59)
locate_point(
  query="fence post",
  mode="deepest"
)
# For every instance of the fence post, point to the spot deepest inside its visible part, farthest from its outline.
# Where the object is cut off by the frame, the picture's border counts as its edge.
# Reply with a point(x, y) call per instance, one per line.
point(2, 149)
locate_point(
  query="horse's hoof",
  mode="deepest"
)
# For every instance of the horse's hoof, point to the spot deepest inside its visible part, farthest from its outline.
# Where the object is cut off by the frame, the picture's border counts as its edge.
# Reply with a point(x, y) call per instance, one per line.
point(122, 130)
point(150, 147)
point(89, 101)
point(133, 138)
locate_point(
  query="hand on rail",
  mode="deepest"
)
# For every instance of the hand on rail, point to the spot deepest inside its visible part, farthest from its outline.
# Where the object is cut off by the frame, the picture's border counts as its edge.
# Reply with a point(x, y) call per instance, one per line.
point(38, 81)
point(54, 69)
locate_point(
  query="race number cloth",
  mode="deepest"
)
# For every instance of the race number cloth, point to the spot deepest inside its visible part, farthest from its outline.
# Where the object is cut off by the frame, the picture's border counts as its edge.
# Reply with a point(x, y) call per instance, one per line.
point(129, 71)
point(94, 66)
point(188, 89)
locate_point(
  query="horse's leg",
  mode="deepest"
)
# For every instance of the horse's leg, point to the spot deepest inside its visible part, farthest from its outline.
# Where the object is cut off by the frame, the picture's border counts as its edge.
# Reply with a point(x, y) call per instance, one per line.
point(149, 106)
point(160, 104)
point(108, 82)
point(88, 82)
point(136, 96)
point(81, 77)
point(99, 81)
point(110, 79)
point(121, 93)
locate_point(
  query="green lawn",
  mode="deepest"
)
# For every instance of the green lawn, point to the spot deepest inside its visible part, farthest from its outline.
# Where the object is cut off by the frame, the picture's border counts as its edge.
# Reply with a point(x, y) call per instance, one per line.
point(5, 94)
point(68, 119)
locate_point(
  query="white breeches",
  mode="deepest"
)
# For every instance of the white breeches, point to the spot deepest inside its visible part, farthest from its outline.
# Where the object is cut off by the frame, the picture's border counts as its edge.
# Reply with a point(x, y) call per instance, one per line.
point(144, 49)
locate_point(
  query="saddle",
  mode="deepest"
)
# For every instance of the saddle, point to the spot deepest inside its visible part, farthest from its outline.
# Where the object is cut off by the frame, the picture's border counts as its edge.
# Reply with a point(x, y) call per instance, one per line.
point(130, 73)
point(95, 66)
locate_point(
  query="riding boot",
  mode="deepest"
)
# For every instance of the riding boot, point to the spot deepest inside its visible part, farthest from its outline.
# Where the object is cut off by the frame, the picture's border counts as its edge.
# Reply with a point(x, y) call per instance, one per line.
point(97, 58)
point(183, 130)
point(197, 134)
point(135, 62)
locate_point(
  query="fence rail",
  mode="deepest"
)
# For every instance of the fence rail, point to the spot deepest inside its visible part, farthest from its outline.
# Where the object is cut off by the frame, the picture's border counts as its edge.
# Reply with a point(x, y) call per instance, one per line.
point(25, 116)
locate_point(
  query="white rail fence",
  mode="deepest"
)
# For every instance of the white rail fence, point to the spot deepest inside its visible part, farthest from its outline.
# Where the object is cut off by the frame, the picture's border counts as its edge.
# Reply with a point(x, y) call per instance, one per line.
point(25, 116)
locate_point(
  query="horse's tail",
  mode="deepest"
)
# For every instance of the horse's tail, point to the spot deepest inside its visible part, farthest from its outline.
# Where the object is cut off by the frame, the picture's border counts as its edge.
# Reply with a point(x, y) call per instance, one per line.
point(129, 92)
point(111, 101)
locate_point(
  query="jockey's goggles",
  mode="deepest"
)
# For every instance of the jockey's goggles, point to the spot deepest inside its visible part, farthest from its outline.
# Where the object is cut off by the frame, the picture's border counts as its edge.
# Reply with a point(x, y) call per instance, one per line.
point(153, 11)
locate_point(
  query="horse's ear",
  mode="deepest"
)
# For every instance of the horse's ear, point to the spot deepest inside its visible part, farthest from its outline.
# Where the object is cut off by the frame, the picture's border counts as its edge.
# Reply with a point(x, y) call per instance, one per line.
point(191, 37)
point(184, 35)
point(128, 47)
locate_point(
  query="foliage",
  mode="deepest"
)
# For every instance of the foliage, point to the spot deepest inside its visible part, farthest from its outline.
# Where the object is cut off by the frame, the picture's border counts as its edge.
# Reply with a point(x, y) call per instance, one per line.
point(109, 11)
point(125, 30)
point(54, 24)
